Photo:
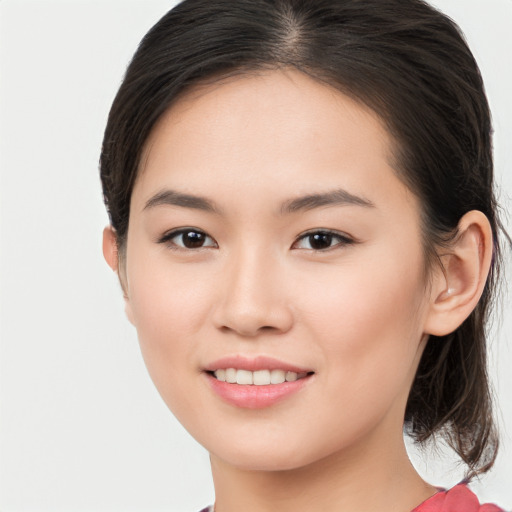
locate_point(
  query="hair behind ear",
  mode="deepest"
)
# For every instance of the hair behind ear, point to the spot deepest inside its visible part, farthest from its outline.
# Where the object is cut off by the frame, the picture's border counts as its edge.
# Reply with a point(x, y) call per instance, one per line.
point(450, 393)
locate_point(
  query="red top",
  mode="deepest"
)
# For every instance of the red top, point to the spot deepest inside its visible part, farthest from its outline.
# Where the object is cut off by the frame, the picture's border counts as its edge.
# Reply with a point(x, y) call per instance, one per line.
point(457, 499)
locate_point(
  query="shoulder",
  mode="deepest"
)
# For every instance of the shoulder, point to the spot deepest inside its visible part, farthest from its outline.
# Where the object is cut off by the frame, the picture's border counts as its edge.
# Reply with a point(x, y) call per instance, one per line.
point(457, 499)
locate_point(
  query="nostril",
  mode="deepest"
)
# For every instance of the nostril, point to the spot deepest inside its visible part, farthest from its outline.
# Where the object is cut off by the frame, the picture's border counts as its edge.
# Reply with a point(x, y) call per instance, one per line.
point(244, 331)
point(251, 318)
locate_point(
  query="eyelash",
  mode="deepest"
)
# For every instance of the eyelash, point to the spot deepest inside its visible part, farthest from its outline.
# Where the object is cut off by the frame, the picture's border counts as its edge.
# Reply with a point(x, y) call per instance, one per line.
point(168, 237)
point(343, 239)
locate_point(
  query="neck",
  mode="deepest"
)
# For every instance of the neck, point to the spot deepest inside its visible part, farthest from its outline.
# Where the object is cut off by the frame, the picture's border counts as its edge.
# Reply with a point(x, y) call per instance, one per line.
point(377, 476)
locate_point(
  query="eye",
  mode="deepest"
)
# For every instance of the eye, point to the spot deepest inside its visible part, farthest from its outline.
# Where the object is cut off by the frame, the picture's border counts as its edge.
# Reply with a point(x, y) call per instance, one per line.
point(322, 240)
point(187, 238)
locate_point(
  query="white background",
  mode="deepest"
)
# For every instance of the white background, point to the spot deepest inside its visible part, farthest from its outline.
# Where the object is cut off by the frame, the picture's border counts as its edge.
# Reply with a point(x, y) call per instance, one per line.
point(81, 427)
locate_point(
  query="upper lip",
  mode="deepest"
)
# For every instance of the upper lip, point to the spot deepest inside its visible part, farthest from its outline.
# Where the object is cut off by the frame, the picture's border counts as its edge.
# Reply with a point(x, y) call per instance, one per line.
point(254, 364)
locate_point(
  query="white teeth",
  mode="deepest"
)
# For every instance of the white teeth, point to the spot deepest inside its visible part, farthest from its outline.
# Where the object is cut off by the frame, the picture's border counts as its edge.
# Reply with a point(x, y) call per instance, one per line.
point(261, 378)
point(221, 375)
point(231, 375)
point(257, 378)
point(243, 377)
point(277, 376)
point(291, 376)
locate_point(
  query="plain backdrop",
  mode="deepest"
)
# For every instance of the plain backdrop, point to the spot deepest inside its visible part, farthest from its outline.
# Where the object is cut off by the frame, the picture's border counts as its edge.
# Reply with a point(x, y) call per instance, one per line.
point(81, 426)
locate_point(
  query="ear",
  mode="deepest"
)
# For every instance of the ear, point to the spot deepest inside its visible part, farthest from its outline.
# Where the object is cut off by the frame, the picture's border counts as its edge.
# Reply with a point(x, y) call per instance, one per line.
point(458, 285)
point(111, 255)
point(110, 252)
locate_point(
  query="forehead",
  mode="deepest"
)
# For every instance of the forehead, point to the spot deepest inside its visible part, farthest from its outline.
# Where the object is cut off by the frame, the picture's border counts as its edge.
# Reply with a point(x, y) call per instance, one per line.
point(275, 128)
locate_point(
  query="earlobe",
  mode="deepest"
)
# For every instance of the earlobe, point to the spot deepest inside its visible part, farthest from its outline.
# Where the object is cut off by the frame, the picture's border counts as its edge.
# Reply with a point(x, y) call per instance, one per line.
point(110, 252)
point(458, 286)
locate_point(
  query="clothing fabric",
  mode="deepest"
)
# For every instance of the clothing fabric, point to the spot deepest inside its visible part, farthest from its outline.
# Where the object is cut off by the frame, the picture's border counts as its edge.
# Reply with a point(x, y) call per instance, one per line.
point(457, 499)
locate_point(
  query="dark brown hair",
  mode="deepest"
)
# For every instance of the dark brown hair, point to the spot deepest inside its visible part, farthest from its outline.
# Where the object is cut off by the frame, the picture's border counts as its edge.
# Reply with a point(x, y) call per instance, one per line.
point(411, 65)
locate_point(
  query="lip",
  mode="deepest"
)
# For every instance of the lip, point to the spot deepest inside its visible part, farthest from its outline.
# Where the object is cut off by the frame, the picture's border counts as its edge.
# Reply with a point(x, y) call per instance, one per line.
point(251, 396)
point(254, 364)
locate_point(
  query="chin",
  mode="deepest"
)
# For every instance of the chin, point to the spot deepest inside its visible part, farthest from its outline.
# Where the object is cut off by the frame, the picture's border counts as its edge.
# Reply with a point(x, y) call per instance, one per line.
point(283, 456)
point(264, 464)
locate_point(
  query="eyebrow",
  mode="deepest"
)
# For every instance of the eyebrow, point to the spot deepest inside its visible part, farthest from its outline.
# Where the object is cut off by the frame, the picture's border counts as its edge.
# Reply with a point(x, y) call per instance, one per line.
point(174, 198)
point(338, 197)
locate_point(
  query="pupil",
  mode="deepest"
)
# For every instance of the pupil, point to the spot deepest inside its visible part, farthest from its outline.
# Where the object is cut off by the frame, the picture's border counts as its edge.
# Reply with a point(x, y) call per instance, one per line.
point(192, 239)
point(320, 240)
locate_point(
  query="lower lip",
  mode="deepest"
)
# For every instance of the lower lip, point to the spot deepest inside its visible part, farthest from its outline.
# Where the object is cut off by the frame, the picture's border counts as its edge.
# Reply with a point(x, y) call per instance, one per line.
point(255, 397)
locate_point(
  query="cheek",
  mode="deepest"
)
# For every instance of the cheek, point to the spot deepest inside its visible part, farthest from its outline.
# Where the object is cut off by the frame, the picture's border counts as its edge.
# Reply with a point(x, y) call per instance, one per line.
point(367, 293)
point(369, 318)
point(169, 306)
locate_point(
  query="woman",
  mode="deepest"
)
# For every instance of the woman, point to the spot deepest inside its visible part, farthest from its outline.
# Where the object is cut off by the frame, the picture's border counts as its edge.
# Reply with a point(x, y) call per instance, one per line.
point(305, 230)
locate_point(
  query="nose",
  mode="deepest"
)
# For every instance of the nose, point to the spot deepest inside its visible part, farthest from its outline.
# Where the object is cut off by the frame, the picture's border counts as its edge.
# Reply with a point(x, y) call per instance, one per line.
point(253, 298)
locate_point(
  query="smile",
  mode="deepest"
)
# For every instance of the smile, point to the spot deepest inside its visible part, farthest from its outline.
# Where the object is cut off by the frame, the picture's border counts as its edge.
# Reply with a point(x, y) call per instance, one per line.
point(258, 377)
point(256, 383)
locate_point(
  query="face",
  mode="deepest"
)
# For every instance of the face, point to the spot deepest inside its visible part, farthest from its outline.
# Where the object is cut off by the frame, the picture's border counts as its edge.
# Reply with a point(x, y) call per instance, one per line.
point(274, 271)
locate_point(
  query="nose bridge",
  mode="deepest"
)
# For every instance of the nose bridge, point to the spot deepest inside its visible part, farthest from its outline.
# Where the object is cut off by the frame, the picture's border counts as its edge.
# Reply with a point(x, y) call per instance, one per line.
point(253, 295)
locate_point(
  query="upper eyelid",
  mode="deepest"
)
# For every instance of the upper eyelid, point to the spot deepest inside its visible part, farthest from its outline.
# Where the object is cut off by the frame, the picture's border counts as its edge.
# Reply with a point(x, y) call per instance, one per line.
point(345, 239)
point(324, 230)
point(169, 235)
point(332, 232)
point(179, 231)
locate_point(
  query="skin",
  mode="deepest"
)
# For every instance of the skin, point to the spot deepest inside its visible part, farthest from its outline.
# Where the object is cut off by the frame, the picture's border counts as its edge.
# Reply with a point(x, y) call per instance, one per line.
point(357, 313)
